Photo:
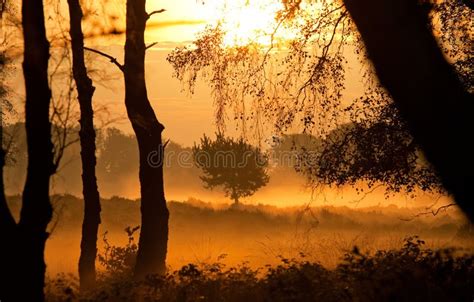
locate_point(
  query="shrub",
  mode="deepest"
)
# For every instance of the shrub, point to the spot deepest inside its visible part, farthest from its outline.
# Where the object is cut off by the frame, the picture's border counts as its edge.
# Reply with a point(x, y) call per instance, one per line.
point(411, 273)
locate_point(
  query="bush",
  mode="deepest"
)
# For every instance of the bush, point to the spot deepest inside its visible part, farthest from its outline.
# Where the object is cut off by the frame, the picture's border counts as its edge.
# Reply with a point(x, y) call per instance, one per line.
point(412, 273)
point(409, 274)
point(119, 261)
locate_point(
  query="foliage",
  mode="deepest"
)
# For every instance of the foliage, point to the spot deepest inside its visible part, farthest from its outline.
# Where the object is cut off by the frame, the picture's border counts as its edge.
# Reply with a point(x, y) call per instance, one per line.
point(116, 150)
point(410, 273)
point(233, 164)
point(291, 82)
point(452, 20)
point(299, 84)
point(120, 261)
point(376, 148)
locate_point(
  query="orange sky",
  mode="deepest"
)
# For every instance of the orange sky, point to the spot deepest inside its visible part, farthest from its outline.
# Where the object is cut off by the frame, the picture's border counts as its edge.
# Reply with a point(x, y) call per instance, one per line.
point(185, 117)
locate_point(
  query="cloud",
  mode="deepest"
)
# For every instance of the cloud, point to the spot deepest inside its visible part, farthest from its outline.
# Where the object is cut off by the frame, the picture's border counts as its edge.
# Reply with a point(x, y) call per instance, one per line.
point(172, 23)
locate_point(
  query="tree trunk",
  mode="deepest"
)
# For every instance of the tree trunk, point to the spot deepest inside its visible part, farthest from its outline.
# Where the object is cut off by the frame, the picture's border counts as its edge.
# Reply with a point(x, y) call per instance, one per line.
point(85, 90)
point(411, 66)
point(7, 230)
point(7, 222)
point(235, 198)
point(36, 211)
point(6, 219)
point(152, 246)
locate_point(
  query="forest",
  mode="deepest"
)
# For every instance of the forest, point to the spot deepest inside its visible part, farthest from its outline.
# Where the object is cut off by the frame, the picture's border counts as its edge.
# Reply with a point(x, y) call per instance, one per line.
point(247, 150)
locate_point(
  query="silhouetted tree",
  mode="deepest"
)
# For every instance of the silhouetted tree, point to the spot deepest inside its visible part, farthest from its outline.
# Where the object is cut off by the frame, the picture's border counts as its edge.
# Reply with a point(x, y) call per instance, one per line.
point(153, 241)
point(236, 166)
point(377, 149)
point(4, 212)
point(27, 270)
point(3, 202)
point(85, 90)
point(412, 67)
point(23, 266)
point(7, 223)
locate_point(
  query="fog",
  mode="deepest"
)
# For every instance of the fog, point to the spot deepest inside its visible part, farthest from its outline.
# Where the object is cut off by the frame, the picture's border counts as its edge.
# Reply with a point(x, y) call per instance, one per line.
point(202, 232)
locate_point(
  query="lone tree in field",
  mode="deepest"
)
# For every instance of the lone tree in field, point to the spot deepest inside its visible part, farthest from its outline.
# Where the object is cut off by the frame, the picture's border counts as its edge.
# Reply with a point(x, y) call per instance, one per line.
point(238, 167)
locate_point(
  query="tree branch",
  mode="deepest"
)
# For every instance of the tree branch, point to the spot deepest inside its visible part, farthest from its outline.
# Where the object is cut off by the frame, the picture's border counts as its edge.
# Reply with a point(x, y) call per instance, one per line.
point(151, 45)
point(155, 12)
point(433, 212)
point(436, 211)
point(112, 59)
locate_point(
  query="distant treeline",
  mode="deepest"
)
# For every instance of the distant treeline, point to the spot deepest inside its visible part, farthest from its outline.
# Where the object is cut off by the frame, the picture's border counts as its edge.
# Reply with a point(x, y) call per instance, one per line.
point(117, 163)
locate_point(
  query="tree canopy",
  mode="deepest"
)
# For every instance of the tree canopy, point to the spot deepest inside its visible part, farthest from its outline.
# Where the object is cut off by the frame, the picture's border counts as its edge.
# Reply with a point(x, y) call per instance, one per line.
point(298, 83)
point(236, 166)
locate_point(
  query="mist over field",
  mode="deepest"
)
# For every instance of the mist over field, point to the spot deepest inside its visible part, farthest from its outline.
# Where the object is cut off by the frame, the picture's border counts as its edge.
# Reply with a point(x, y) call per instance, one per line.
point(202, 232)
point(117, 170)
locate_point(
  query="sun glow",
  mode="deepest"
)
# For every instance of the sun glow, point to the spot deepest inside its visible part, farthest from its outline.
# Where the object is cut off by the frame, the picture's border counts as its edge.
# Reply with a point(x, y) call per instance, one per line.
point(246, 21)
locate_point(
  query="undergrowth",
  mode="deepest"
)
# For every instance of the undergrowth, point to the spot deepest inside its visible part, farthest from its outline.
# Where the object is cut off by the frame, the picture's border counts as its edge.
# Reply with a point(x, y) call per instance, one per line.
point(411, 273)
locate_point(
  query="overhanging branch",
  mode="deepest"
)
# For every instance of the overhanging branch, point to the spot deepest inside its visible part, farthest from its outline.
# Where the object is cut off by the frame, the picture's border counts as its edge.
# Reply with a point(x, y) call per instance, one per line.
point(433, 212)
point(112, 59)
point(155, 12)
point(151, 45)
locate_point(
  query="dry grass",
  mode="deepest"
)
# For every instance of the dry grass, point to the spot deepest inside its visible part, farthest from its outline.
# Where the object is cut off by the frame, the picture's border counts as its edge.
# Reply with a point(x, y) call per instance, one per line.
point(259, 235)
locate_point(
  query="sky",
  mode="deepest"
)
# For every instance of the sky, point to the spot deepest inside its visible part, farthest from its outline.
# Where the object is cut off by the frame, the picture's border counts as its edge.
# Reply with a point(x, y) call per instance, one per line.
point(186, 118)
point(183, 19)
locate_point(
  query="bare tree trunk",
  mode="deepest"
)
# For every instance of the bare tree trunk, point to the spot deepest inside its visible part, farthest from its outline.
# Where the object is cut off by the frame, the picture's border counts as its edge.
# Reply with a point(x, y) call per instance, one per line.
point(411, 66)
point(7, 222)
point(85, 89)
point(6, 219)
point(153, 240)
point(36, 210)
point(7, 229)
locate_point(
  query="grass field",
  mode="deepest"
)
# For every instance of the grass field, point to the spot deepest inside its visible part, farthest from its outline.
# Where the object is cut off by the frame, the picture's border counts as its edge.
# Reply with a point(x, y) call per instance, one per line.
point(258, 234)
